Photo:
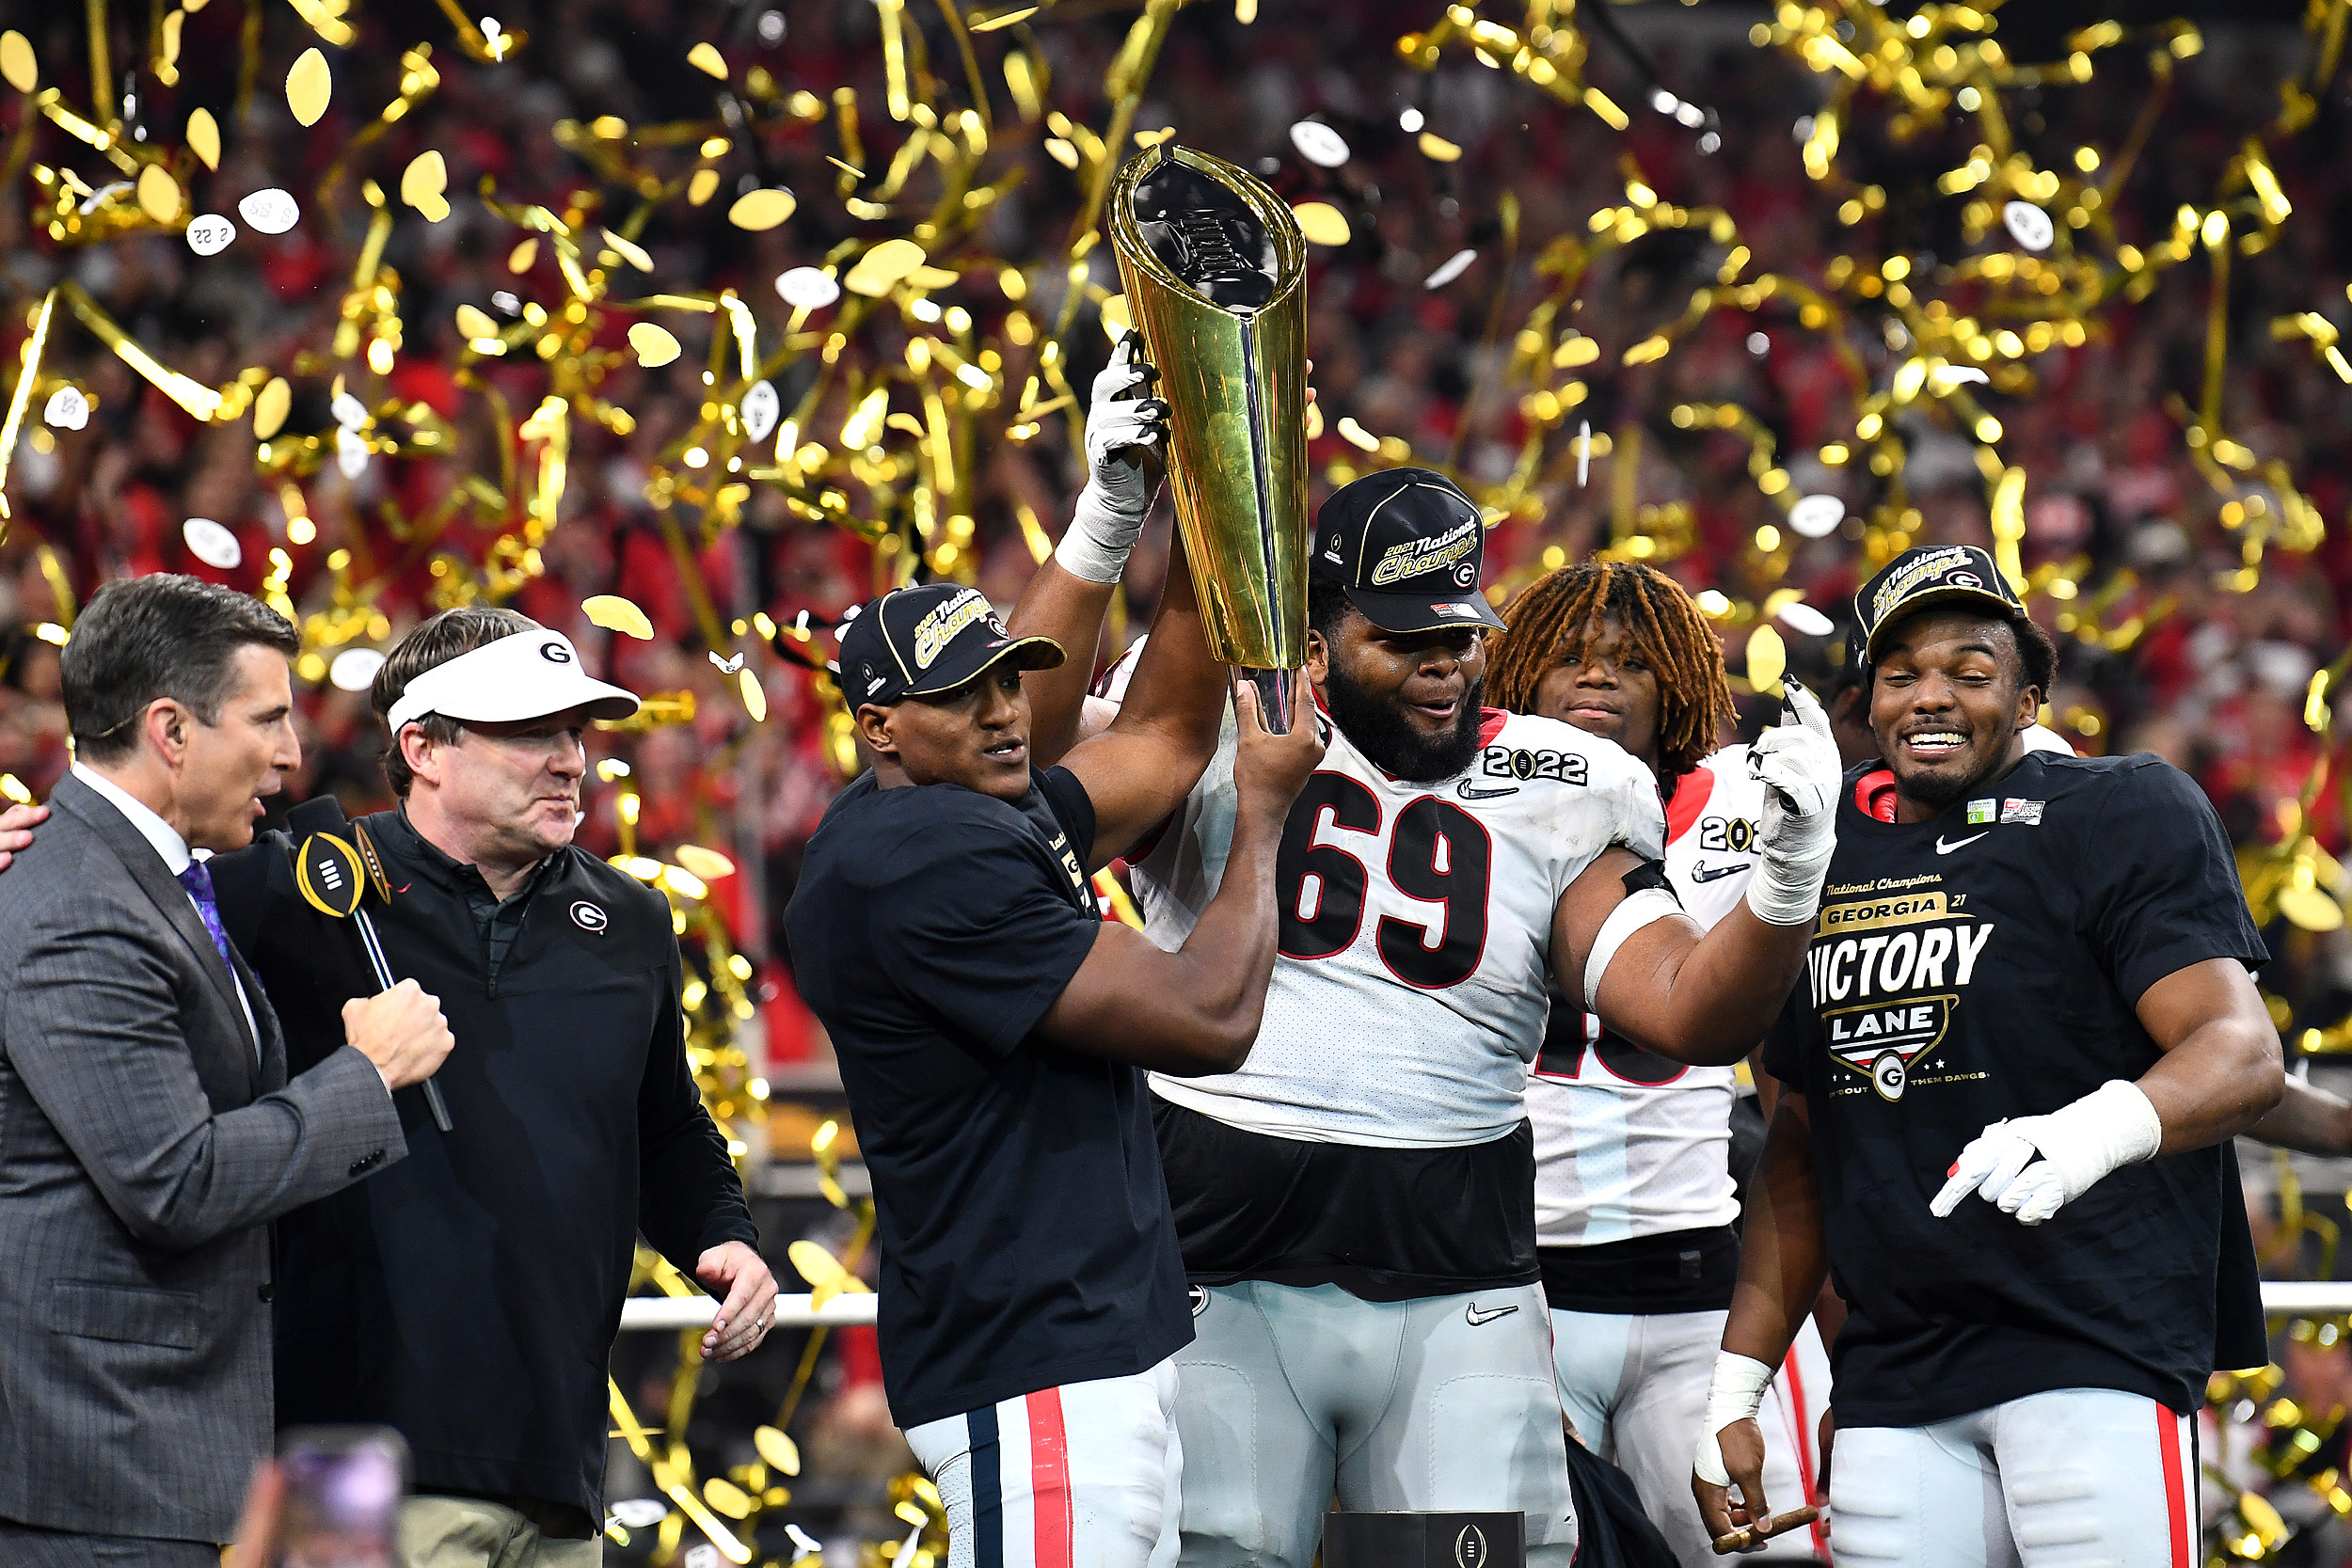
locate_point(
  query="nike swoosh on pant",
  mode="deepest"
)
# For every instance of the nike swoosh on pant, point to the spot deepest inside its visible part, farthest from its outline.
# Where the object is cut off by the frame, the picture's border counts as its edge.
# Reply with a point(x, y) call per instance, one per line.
point(1476, 1317)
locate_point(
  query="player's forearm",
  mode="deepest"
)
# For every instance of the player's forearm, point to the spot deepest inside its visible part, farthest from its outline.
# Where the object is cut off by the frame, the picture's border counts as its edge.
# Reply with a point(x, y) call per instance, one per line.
point(1228, 960)
point(1783, 1258)
point(2308, 1121)
point(1067, 607)
point(2218, 1082)
point(1727, 987)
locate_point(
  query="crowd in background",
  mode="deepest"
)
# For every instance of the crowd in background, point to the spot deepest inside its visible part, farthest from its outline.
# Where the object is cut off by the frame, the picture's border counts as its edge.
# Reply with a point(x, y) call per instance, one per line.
point(2216, 681)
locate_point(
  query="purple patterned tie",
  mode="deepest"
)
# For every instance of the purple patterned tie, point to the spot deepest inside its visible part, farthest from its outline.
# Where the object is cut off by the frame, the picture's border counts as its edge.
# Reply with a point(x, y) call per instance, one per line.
point(198, 880)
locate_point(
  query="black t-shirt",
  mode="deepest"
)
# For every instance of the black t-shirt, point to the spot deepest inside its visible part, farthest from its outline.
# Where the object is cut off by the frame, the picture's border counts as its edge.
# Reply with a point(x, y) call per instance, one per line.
point(1985, 964)
point(1025, 1229)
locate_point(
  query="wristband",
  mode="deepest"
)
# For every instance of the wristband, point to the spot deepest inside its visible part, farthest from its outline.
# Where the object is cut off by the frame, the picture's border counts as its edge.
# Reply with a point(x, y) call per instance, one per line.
point(2113, 1125)
point(1785, 888)
point(1100, 537)
point(1735, 1395)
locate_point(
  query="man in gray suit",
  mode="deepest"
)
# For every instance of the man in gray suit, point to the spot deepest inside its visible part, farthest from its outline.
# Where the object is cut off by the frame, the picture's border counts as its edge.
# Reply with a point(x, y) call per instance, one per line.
point(148, 1129)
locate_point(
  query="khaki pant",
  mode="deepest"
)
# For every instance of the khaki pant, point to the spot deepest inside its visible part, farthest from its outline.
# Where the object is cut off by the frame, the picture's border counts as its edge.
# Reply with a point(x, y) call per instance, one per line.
point(475, 1532)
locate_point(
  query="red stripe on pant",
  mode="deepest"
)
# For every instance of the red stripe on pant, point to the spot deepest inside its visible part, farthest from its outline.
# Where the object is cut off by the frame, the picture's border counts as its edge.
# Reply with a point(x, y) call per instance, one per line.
point(1800, 1428)
point(1049, 1479)
point(2175, 1489)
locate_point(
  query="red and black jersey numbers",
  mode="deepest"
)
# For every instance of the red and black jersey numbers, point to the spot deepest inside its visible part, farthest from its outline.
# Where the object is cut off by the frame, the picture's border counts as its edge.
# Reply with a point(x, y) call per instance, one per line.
point(1438, 853)
point(1571, 1030)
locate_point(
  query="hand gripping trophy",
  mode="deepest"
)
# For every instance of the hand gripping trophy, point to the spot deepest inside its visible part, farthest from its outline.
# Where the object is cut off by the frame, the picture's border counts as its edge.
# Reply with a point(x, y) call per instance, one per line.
point(1215, 269)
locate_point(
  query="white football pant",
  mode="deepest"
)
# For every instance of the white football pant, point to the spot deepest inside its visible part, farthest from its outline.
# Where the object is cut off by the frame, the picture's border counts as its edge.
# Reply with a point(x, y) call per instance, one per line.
point(2071, 1479)
point(1442, 1403)
point(1082, 1475)
point(1635, 1390)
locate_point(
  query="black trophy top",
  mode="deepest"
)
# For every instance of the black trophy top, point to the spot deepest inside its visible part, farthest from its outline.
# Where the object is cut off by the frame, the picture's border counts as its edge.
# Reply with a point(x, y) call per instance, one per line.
point(1205, 234)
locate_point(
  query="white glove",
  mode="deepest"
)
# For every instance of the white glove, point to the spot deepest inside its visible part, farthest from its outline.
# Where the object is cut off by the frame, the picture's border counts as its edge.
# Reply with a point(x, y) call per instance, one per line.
point(1735, 1395)
point(1108, 518)
point(2113, 1125)
point(1799, 766)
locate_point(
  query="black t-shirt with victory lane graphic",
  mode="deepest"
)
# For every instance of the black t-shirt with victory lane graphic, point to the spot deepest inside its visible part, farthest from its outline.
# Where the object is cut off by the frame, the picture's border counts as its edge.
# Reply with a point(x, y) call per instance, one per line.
point(1986, 964)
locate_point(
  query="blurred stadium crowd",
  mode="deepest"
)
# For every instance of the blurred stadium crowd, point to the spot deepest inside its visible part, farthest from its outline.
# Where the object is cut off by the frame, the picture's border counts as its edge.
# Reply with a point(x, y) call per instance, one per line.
point(2194, 662)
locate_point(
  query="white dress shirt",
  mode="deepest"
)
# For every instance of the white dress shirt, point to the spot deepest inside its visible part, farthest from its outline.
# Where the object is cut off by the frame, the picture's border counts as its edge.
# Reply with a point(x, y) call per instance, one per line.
point(177, 858)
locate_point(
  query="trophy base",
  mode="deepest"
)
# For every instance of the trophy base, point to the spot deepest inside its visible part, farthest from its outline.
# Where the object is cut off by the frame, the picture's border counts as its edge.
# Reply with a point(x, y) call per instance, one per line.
point(1273, 688)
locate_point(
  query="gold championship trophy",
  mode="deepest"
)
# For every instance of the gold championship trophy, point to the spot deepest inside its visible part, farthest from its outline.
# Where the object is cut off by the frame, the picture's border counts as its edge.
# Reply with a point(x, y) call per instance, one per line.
point(1216, 273)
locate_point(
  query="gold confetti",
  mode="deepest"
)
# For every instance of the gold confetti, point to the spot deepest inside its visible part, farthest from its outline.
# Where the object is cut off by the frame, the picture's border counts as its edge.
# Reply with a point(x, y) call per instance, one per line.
point(1322, 223)
point(702, 187)
point(1768, 657)
point(882, 269)
point(271, 407)
point(654, 345)
point(1003, 18)
point(710, 864)
point(422, 184)
point(309, 86)
point(1436, 147)
point(776, 1447)
point(159, 193)
point(204, 137)
point(707, 60)
point(755, 695)
point(1117, 319)
point(475, 322)
point(520, 259)
point(629, 251)
point(615, 613)
point(761, 209)
point(17, 63)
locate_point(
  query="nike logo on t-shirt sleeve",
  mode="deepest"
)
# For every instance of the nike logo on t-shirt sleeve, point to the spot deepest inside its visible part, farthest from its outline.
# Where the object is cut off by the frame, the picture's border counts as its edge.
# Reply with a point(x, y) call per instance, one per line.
point(1944, 848)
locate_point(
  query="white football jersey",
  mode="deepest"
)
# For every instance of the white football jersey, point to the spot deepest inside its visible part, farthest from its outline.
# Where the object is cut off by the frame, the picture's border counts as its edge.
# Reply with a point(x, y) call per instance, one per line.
point(1408, 996)
point(1626, 1143)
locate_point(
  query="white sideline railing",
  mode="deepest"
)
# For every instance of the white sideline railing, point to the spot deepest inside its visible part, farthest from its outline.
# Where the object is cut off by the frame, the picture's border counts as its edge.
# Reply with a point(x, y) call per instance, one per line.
point(683, 1312)
point(2299, 1296)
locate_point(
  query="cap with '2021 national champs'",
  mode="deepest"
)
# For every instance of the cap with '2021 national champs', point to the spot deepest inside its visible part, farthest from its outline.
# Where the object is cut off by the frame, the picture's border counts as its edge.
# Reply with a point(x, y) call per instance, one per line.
point(1406, 544)
point(1933, 574)
point(922, 641)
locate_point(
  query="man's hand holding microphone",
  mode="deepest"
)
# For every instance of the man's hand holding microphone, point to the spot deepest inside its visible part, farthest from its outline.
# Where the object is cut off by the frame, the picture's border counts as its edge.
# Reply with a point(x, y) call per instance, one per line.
point(401, 1031)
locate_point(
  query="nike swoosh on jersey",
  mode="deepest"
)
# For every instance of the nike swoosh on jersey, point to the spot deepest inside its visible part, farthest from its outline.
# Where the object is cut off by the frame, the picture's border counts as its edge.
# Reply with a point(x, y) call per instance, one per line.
point(1944, 848)
point(1469, 791)
point(1476, 1317)
point(1702, 871)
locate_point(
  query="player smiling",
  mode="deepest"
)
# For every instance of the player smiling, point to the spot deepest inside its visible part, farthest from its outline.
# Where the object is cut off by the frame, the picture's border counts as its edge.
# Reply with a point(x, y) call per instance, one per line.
point(2026, 1025)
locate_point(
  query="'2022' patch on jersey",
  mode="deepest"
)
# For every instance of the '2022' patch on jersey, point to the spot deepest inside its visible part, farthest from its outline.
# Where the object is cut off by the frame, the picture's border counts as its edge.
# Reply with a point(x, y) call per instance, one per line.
point(1518, 761)
point(1889, 973)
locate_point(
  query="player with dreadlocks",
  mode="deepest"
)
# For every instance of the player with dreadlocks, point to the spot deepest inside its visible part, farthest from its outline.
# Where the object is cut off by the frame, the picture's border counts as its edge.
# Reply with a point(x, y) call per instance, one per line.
point(1636, 1205)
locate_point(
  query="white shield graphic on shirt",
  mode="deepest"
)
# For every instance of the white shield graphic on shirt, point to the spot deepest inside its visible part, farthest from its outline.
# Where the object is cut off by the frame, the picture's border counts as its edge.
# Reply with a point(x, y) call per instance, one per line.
point(1882, 1040)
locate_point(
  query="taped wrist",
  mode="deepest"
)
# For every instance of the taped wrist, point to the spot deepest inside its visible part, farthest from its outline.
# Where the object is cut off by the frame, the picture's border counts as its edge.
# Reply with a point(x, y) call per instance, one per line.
point(1101, 534)
point(1736, 1394)
point(1648, 896)
point(2113, 1125)
point(1785, 888)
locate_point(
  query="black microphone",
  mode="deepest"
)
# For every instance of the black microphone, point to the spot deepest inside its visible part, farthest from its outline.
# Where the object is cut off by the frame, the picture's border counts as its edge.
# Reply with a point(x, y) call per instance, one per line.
point(329, 872)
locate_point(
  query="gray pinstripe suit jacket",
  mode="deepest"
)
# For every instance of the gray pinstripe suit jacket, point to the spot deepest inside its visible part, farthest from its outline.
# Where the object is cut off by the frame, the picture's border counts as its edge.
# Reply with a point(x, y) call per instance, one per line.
point(144, 1148)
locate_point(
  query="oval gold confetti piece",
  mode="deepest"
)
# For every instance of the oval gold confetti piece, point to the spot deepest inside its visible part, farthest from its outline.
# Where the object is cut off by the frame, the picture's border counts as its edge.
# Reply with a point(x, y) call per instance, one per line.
point(1117, 320)
point(427, 175)
point(1322, 223)
point(2310, 908)
point(881, 268)
point(653, 345)
point(1768, 657)
point(707, 60)
point(17, 63)
point(271, 407)
point(702, 187)
point(159, 193)
point(710, 864)
point(755, 696)
point(309, 87)
point(615, 613)
point(628, 250)
point(762, 209)
point(204, 137)
point(476, 323)
point(433, 205)
point(777, 1449)
point(519, 260)
point(1436, 147)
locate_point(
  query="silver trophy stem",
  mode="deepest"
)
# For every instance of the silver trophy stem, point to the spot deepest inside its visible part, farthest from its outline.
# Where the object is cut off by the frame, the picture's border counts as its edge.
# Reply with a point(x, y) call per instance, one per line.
point(1274, 696)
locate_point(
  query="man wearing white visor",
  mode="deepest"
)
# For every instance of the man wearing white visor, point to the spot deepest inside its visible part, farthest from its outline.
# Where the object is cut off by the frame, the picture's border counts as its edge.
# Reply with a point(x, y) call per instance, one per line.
point(473, 1305)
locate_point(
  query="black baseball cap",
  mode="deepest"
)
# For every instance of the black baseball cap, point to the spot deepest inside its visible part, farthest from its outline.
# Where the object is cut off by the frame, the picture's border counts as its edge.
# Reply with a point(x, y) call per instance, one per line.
point(918, 641)
point(1928, 575)
point(1406, 544)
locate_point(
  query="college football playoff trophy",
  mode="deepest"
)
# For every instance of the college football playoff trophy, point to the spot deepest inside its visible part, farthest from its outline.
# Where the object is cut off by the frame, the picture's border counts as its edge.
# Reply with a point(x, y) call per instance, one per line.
point(1215, 269)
